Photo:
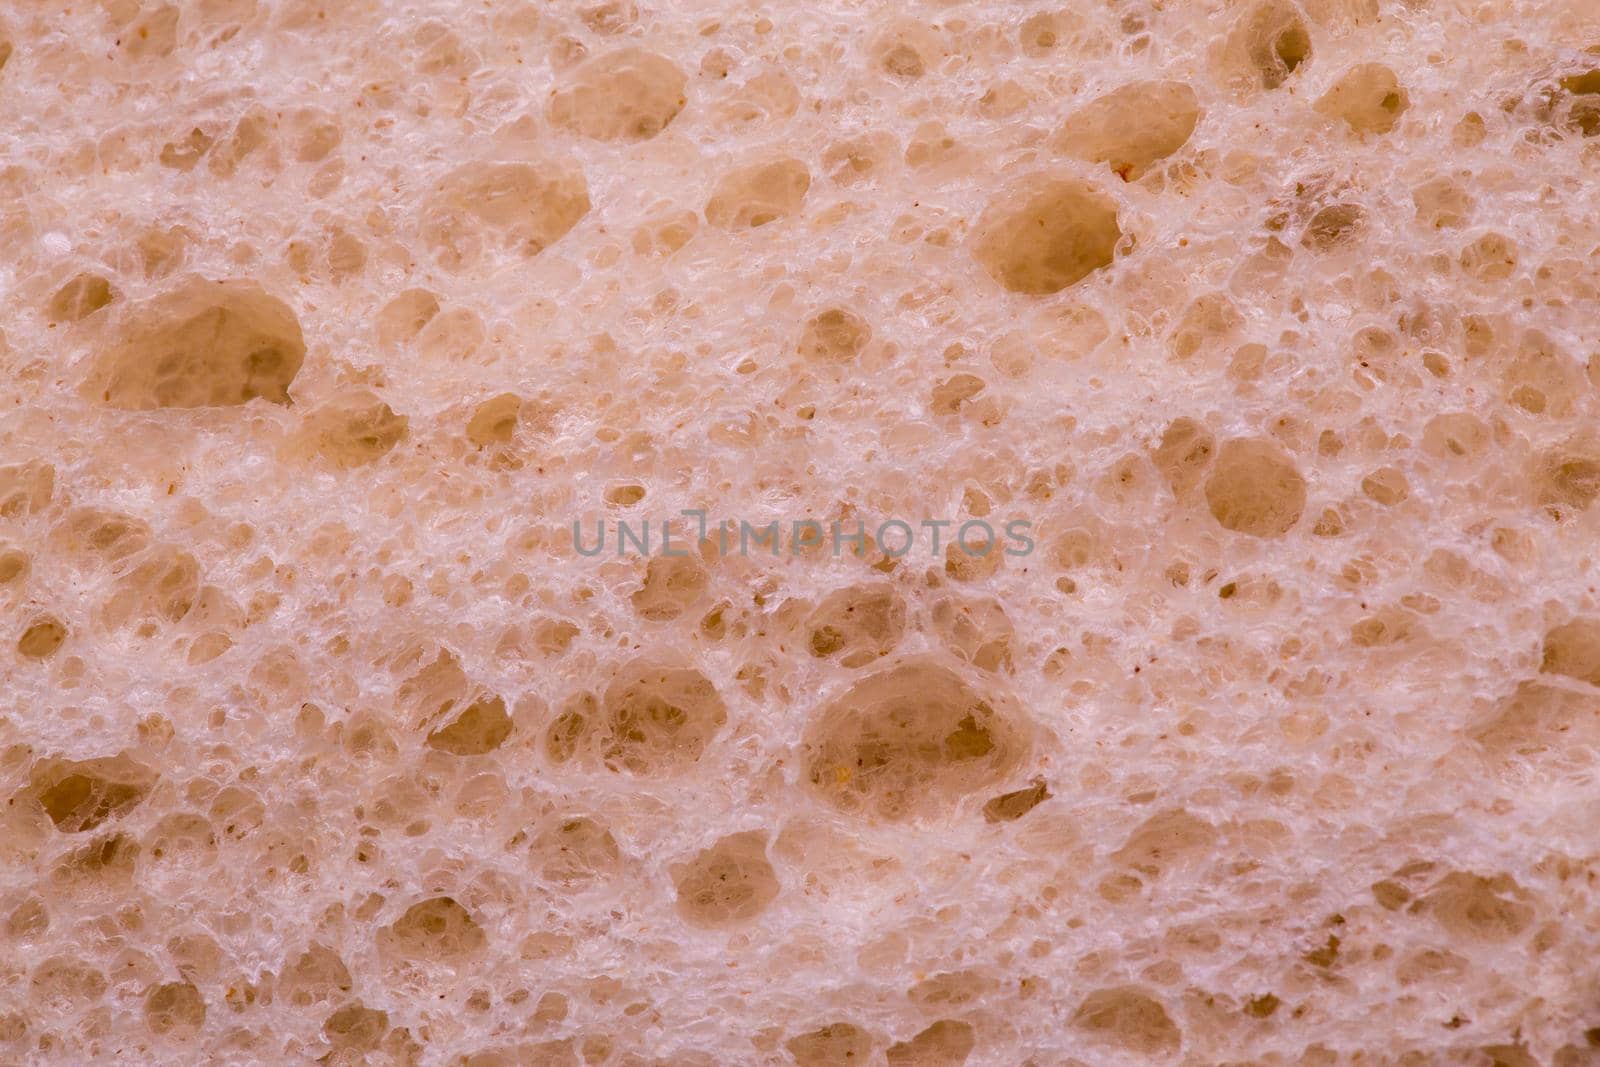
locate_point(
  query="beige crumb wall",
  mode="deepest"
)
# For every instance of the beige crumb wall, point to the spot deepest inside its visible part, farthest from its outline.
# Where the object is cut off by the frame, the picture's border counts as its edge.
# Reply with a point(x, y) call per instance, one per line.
point(324, 320)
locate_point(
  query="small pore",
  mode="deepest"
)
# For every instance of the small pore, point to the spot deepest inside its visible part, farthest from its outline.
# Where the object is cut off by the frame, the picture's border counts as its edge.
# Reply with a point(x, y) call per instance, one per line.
point(857, 625)
point(354, 430)
point(1544, 723)
point(1368, 98)
point(902, 61)
point(834, 335)
point(910, 741)
point(1184, 455)
point(946, 1043)
point(1334, 227)
point(672, 584)
point(1130, 1019)
point(834, 1045)
point(1492, 909)
point(437, 929)
point(1255, 488)
point(1009, 807)
point(1583, 91)
point(1491, 258)
point(731, 882)
point(480, 728)
point(494, 422)
point(1133, 128)
point(356, 1027)
point(625, 496)
point(1166, 841)
point(1046, 235)
point(905, 51)
point(80, 795)
point(79, 298)
point(657, 719)
point(206, 344)
point(626, 95)
point(26, 488)
point(568, 735)
point(1566, 476)
point(402, 319)
point(175, 1009)
point(575, 853)
point(1040, 35)
point(1268, 45)
point(519, 208)
point(42, 638)
point(1572, 650)
point(1455, 435)
point(754, 195)
point(1291, 47)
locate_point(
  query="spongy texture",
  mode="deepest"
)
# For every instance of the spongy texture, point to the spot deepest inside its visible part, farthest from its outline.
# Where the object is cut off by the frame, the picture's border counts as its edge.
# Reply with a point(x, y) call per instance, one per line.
point(325, 320)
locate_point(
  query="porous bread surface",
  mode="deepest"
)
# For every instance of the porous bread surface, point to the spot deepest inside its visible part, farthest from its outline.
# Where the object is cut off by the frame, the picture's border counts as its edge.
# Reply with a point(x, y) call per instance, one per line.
point(324, 320)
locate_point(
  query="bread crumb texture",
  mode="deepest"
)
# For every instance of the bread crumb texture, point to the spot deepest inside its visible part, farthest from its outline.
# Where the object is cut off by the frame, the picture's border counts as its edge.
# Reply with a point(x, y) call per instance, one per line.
point(322, 741)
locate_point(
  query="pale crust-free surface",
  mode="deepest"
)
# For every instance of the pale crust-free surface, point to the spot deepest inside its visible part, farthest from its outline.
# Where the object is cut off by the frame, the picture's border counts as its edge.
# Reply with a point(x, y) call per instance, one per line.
point(323, 321)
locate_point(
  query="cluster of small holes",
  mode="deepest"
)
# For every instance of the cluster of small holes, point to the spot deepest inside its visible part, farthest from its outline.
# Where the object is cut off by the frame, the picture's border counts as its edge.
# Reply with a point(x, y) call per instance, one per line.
point(1237, 484)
